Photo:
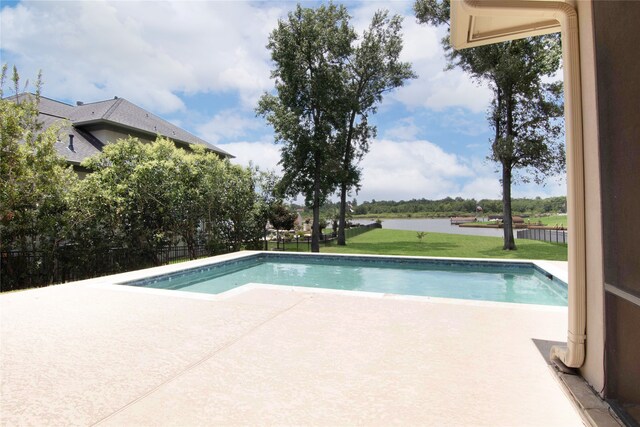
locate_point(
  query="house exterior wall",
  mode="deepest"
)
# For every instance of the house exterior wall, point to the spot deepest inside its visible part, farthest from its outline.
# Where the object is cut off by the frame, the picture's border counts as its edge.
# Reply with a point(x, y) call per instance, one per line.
point(618, 97)
point(592, 370)
point(108, 135)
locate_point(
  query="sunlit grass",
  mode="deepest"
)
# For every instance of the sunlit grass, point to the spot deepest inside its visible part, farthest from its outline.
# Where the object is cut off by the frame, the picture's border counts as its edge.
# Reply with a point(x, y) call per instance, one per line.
point(553, 220)
point(401, 242)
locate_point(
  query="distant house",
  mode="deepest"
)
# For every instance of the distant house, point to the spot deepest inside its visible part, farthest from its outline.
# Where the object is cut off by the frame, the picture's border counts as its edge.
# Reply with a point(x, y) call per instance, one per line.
point(96, 124)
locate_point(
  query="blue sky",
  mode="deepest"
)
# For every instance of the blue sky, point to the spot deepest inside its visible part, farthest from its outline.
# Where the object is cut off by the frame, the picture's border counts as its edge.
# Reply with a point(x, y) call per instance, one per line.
point(203, 64)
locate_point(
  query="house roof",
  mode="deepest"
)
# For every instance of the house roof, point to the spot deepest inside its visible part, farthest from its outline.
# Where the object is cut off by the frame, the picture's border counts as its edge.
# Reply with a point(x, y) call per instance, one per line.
point(84, 144)
point(123, 113)
point(117, 112)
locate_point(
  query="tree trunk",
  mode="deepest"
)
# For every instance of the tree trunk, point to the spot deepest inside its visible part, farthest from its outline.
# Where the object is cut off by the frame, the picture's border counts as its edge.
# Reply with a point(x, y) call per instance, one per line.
point(507, 220)
point(342, 221)
point(315, 228)
point(191, 246)
point(346, 162)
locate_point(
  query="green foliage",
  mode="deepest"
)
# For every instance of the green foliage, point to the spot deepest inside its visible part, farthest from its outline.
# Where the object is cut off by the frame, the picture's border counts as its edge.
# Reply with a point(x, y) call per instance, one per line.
point(148, 196)
point(239, 210)
point(34, 180)
point(281, 218)
point(266, 183)
point(420, 235)
point(454, 206)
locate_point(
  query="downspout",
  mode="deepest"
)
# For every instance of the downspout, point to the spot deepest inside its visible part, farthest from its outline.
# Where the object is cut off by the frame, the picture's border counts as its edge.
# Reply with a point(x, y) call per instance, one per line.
point(573, 354)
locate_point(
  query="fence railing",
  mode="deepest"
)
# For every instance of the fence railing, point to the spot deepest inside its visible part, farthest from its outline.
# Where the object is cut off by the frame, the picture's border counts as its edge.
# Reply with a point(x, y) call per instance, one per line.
point(356, 231)
point(303, 243)
point(27, 269)
point(546, 235)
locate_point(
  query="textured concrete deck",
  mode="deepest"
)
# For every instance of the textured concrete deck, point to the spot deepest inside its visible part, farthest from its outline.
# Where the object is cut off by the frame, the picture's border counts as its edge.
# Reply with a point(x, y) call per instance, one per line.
point(81, 354)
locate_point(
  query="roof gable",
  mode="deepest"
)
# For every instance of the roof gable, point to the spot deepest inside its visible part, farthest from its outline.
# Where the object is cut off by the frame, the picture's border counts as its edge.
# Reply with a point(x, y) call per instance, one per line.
point(120, 112)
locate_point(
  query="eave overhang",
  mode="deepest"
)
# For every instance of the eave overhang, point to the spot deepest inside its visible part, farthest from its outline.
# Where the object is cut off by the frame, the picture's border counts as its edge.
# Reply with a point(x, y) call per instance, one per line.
point(472, 26)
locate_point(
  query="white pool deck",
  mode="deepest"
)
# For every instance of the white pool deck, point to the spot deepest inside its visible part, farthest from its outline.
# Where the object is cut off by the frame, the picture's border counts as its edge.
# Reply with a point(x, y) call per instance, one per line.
point(91, 352)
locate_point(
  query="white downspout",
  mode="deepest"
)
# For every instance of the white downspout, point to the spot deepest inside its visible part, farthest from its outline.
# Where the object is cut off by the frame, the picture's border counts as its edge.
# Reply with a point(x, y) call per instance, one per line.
point(573, 354)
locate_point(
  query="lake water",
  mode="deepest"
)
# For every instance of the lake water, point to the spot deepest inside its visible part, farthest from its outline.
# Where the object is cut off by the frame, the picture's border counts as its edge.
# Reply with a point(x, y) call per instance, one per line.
point(440, 225)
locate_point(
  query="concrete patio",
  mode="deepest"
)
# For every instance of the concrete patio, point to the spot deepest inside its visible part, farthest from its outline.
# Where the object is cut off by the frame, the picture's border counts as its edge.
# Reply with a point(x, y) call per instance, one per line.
point(93, 353)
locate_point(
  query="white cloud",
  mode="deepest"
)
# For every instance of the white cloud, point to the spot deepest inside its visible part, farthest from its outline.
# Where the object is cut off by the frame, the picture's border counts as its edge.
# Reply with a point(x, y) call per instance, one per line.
point(228, 124)
point(434, 88)
point(482, 187)
point(264, 154)
point(406, 170)
point(554, 186)
point(411, 169)
point(144, 51)
point(461, 121)
point(405, 130)
point(150, 52)
point(391, 170)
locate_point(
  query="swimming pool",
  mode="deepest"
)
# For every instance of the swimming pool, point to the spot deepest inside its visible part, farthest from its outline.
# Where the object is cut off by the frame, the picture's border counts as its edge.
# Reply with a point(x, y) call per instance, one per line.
point(516, 282)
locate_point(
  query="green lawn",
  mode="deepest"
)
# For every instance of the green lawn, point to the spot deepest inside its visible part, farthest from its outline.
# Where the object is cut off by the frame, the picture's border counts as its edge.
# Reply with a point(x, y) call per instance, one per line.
point(552, 220)
point(400, 242)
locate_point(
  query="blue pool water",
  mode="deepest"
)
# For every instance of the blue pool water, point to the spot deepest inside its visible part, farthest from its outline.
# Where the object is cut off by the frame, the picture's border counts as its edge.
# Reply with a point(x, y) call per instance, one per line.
point(488, 281)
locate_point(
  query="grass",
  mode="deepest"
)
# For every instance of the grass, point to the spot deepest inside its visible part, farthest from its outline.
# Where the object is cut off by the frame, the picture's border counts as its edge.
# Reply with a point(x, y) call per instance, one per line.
point(478, 224)
point(552, 220)
point(400, 242)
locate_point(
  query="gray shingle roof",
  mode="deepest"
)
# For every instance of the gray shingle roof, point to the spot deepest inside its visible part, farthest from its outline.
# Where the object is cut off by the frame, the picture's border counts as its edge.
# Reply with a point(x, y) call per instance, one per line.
point(54, 108)
point(117, 112)
point(84, 144)
point(123, 113)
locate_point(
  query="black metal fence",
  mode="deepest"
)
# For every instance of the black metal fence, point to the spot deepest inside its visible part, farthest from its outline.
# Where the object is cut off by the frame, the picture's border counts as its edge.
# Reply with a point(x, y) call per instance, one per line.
point(299, 243)
point(28, 269)
point(356, 231)
point(546, 235)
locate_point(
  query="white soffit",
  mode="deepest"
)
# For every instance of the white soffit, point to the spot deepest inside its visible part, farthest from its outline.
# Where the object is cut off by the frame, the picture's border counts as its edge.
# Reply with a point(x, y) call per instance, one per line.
point(482, 22)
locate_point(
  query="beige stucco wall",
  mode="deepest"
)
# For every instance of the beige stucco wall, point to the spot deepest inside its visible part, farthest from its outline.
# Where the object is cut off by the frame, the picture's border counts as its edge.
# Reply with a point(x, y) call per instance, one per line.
point(108, 136)
point(593, 369)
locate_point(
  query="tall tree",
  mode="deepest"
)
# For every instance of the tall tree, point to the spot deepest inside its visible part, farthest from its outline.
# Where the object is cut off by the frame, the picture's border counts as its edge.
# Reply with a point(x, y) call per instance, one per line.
point(373, 68)
point(525, 112)
point(308, 49)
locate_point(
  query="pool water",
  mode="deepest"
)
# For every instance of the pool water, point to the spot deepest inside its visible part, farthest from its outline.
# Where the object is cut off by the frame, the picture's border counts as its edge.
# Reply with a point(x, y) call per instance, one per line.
point(487, 281)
